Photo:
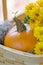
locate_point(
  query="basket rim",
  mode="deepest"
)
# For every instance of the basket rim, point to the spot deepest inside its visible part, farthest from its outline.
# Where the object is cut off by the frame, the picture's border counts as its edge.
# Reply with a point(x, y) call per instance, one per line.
point(20, 52)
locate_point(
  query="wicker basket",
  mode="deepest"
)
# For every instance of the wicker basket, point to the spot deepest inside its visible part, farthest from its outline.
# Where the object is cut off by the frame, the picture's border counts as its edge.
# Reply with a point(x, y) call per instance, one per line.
point(10, 56)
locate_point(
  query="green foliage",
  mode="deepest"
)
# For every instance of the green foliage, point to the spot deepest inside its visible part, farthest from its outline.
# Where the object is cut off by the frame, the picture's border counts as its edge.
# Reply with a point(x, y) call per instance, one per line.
point(27, 19)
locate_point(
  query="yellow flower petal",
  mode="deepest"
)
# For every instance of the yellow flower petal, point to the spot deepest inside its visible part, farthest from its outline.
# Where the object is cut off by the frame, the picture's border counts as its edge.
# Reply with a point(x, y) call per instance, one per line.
point(38, 33)
point(40, 2)
point(38, 48)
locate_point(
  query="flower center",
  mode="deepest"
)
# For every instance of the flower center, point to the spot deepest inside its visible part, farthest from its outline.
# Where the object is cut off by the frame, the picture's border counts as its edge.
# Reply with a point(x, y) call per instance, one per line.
point(37, 14)
point(32, 20)
point(41, 49)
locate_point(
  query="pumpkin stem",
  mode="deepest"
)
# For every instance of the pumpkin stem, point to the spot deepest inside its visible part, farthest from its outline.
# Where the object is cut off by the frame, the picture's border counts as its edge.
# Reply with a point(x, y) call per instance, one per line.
point(20, 26)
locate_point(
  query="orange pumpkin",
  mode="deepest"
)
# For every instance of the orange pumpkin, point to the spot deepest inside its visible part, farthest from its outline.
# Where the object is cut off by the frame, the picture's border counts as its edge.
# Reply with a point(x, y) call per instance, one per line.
point(21, 40)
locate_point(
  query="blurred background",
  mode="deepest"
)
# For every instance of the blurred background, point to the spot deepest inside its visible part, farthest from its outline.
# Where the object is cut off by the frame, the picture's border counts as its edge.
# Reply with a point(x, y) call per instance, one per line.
point(12, 6)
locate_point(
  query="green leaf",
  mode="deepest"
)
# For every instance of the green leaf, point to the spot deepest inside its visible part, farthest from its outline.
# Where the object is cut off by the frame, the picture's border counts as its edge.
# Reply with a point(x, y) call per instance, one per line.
point(27, 19)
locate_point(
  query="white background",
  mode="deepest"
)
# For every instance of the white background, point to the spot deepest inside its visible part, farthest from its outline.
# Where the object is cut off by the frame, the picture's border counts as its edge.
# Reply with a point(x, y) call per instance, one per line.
point(13, 6)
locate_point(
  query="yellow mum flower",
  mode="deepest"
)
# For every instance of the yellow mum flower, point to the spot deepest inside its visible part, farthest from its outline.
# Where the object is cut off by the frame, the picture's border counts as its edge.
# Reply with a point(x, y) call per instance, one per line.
point(36, 22)
point(40, 2)
point(29, 8)
point(34, 13)
point(38, 48)
point(33, 23)
point(38, 33)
